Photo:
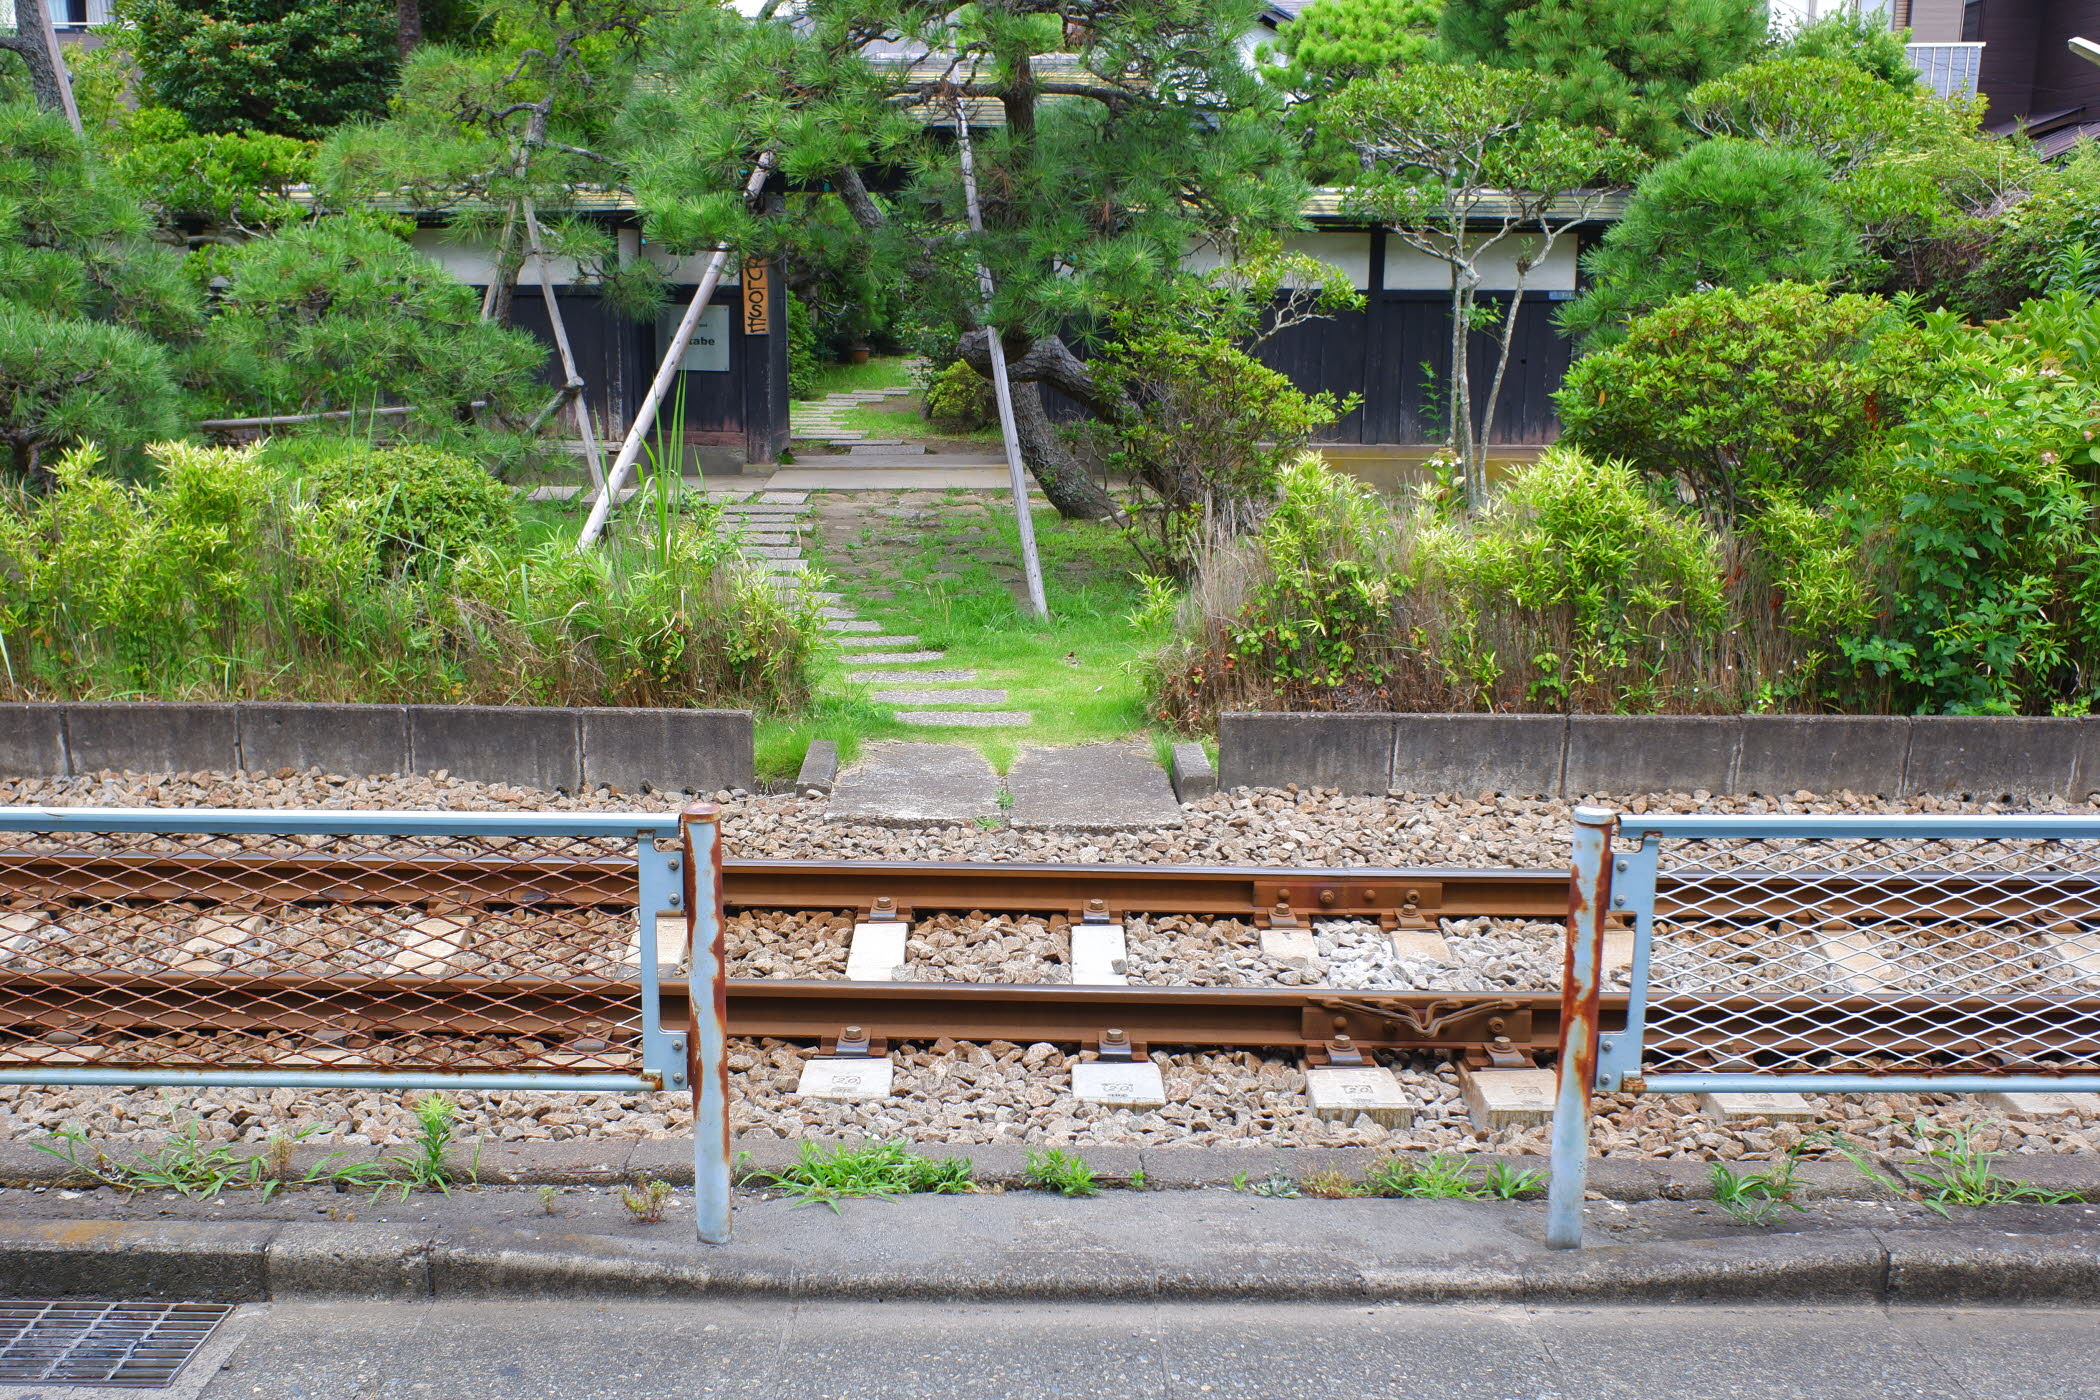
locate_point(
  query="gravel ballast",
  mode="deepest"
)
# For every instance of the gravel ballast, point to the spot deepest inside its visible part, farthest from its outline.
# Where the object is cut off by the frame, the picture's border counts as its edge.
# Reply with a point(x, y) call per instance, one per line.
point(998, 1093)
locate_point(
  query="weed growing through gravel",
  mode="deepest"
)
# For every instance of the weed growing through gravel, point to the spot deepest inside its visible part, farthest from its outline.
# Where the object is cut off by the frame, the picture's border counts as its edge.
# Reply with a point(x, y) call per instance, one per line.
point(1438, 1178)
point(645, 1201)
point(882, 1170)
point(1960, 1173)
point(1753, 1198)
point(200, 1170)
point(424, 1167)
point(1063, 1172)
point(547, 1196)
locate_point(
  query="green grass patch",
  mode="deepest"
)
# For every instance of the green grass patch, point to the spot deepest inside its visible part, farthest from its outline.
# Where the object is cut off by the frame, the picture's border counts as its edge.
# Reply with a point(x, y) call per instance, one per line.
point(900, 418)
point(1077, 674)
point(880, 372)
point(881, 1170)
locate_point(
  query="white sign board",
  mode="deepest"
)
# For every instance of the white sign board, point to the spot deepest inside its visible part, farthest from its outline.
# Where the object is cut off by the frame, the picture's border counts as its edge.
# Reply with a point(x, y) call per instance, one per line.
point(708, 350)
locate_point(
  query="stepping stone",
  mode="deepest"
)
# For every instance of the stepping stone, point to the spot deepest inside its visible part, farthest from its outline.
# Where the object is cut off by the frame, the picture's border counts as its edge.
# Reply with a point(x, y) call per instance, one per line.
point(828, 597)
point(906, 784)
point(1092, 787)
point(939, 697)
point(847, 624)
point(772, 551)
point(900, 658)
point(784, 498)
point(888, 639)
point(965, 719)
point(783, 566)
point(841, 614)
point(907, 677)
point(770, 540)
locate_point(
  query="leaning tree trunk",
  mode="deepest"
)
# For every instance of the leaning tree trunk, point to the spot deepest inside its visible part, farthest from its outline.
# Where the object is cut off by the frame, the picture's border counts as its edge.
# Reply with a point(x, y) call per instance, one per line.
point(1047, 361)
point(1064, 480)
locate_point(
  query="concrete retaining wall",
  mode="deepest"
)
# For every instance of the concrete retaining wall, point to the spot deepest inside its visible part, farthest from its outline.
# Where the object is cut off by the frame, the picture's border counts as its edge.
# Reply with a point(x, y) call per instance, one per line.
point(1601, 755)
point(688, 750)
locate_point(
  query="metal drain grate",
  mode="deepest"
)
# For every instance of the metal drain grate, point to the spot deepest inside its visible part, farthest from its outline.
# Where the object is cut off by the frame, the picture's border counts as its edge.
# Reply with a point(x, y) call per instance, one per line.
point(130, 1346)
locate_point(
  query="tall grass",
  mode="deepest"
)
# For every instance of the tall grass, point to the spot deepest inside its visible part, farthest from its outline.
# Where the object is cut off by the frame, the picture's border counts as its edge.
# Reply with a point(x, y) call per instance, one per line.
point(1574, 592)
point(229, 579)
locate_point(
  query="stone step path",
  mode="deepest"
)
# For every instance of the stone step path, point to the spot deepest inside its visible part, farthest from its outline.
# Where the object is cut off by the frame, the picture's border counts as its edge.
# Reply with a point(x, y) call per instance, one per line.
point(817, 420)
point(1090, 787)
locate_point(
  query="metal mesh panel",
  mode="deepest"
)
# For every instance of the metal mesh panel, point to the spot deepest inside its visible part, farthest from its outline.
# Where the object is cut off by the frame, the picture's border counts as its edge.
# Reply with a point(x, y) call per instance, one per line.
point(425, 951)
point(1874, 954)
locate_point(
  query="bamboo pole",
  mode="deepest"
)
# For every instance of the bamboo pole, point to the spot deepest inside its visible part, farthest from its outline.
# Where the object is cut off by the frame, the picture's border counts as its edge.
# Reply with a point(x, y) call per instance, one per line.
point(645, 416)
point(1002, 389)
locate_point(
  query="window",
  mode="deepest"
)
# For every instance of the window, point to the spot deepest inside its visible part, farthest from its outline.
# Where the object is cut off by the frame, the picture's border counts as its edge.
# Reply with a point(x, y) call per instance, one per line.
point(1971, 21)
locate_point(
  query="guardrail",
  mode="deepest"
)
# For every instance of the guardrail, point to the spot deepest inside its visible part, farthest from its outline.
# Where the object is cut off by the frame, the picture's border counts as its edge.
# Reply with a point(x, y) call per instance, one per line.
point(373, 950)
point(1827, 955)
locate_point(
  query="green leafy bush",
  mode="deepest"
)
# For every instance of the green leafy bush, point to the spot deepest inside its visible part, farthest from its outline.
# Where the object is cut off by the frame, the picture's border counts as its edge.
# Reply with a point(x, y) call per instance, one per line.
point(1727, 213)
point(426, 507)
point(294, 67)
point(64, 380)
point(230, 579)
point(1604, 592)
point(1207, 432)
point(804, 364)
point(1299, 614)
point(960, 400)
point(1734, 396)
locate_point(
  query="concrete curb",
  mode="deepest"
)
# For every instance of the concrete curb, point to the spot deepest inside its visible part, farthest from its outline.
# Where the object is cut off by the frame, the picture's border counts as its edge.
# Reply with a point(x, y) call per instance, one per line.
point(534, 746)
point(274, 1261)
point(1984, 757)
point(603, 1161)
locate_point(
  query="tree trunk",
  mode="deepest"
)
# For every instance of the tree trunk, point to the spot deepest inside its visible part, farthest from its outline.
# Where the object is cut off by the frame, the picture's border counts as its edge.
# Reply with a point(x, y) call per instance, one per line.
point(408, 25)
point(1462, 392)
point(36, 41)
point(1064, 481)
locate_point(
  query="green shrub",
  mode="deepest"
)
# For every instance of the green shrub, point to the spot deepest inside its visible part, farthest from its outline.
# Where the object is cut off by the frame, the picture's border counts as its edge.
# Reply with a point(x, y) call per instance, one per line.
point(1734, 396)
point(1208, 430)
point(1981, 534)
point(1608, 594)
point(64, 380)
point(960, 400)
point(426, 507)
point(229, 579)
point(1299, 614)
point(805, 366)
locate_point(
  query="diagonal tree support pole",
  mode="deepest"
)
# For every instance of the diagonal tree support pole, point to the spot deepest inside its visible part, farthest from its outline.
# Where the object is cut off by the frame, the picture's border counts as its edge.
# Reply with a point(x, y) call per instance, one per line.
point(573, 381)
point(674, 354)
point(1002, 388)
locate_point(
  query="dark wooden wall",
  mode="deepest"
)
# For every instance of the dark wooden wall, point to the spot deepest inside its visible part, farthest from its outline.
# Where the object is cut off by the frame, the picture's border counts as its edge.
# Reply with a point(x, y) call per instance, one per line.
point(745, 407)
point(1396, 353)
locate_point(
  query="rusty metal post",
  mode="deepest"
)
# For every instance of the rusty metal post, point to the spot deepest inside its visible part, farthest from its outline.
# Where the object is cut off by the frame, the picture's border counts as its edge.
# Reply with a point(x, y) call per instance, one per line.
point(1581, 991)
point(707, 1047)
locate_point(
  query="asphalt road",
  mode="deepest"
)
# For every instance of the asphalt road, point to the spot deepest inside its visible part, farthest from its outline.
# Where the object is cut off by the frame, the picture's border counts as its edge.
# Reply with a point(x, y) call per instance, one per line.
point(875, 1351)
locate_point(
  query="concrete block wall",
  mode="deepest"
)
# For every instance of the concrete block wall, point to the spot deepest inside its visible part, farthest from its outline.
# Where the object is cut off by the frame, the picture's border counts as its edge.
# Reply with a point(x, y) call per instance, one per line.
point(1599, 755)
point(531, 746)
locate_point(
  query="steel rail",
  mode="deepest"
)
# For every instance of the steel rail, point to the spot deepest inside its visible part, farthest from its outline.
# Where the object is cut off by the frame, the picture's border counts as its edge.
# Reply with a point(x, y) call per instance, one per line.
point(1392, 896)
point(2024, 1027)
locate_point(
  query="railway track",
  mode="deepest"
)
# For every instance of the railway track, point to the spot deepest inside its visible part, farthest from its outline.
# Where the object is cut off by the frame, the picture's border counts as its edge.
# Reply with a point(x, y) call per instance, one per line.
point(56, 1006)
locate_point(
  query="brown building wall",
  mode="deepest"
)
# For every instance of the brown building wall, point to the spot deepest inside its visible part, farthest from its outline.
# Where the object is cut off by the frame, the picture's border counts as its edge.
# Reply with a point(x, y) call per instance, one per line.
point(2062, 79)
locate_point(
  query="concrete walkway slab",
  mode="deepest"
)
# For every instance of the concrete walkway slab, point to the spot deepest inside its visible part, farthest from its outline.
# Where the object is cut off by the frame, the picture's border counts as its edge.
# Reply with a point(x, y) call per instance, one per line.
point(906, 784)
point(863, 475)
point(965, 719)
point(910, 677)
point(940, 697)
point(1093, 787)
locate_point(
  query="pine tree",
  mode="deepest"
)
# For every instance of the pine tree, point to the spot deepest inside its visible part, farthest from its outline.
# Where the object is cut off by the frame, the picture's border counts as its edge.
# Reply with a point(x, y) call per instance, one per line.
point(1624, 65)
